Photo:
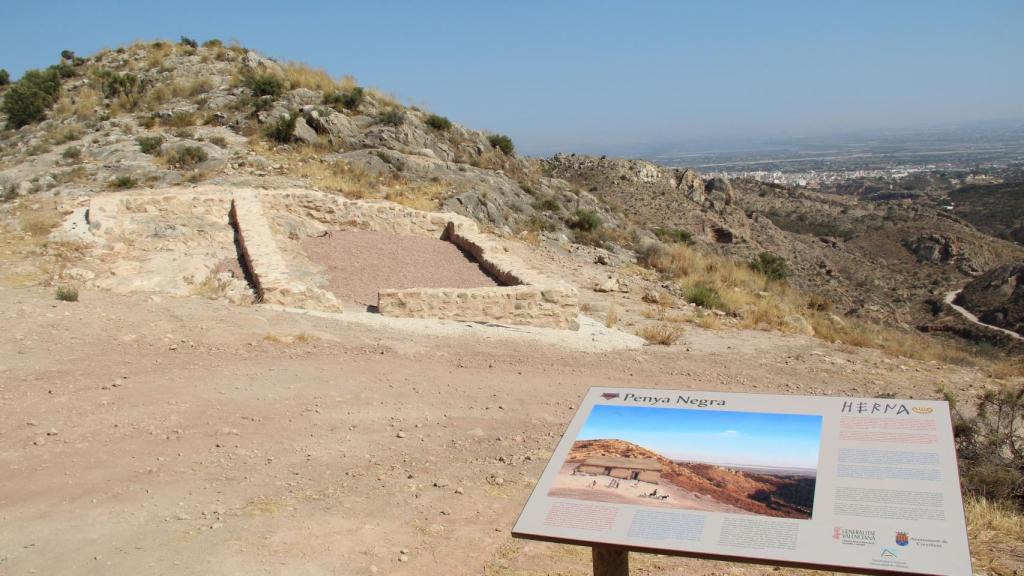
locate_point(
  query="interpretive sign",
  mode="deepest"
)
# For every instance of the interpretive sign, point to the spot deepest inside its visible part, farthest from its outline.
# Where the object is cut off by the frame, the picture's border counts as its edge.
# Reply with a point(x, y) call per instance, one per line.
point(852, 484)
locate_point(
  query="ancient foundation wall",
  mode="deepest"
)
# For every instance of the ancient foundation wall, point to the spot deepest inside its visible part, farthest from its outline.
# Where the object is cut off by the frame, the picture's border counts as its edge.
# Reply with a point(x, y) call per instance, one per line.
point(525, 297)
point(263, 260)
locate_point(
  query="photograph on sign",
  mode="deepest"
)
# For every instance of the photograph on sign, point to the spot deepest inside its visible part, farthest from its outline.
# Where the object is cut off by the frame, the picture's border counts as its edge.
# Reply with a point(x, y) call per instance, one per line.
point(722, 461)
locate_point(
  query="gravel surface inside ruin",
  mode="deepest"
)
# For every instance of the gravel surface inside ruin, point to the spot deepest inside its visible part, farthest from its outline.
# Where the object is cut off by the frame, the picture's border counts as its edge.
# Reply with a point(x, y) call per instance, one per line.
point(360, 263)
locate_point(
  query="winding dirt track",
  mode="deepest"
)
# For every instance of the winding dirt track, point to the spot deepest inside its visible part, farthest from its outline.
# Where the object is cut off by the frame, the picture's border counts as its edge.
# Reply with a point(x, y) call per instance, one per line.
point(951, 297)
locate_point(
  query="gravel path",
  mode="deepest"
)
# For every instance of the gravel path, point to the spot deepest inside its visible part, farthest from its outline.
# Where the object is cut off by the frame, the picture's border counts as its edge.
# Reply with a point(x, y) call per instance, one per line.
point(360, 263)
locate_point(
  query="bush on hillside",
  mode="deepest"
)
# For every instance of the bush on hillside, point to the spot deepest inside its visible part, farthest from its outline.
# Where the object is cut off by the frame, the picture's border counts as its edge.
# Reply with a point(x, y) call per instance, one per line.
point(674, 235)
point(585, 220)
point(990, 444)
point(123, 182)
point(129, 87)
point(150, 144)
point(264, 85)
point(187, 156)
point(547, 204)
point(67, 294)
point(71, 153)
point(502, 142)
point(213, 43)
point(771, 265)
point(345, 100)
point(186, 41)
point(438, 122)
point(5, 77)
point(29, 98)
point(282, 130)
point(67, 55)
point(392, 117)
point(705, 296)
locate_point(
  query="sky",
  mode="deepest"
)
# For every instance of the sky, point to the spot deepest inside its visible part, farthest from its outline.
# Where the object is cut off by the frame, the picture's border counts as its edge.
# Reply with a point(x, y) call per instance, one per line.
point(711, 436)
point(600, 77)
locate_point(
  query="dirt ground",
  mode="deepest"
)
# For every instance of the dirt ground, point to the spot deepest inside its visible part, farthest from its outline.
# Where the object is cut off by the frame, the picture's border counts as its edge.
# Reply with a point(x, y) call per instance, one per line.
point(160, 435)
point(359, 263)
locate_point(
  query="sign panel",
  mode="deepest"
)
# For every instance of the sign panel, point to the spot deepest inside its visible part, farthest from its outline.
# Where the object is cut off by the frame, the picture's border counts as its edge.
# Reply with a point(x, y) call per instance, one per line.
point(852, 484)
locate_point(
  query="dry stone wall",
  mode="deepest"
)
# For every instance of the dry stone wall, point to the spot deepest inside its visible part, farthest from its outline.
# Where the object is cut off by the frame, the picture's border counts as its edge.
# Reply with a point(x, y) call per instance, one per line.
point(525, 297)
point(263, 259)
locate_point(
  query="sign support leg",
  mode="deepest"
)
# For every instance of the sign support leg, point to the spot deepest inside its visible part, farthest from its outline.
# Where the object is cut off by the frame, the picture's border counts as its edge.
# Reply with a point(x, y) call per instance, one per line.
point(610, 561)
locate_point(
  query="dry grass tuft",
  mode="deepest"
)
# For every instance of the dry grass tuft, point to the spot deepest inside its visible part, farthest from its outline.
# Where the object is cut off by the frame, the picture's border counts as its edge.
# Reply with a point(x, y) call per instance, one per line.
point(611, 318)
point(157, 53)
point(662, 334)
point(299, 75)
point(190, 88)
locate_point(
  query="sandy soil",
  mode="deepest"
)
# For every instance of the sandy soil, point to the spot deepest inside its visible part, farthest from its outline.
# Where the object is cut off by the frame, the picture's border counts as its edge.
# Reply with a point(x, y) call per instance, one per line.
point(582, 487)
point(146, 435)
point(359, 263)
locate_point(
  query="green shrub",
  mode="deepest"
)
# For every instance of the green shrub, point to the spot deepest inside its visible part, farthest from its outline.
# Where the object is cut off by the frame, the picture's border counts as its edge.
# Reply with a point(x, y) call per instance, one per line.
point(67, 55)
point(348, 100)
point(123, 182)
point(71, 153)
point(186, 41)
point(62, 70)
point(283, 129)
point(67, 294)
point(547, 204)
point(392, 117)
point(771, 265)
point(29, 98)
point(264, 85)
point(990, 444)
point(150, 144)
point(585, 220)
point(128, 86)
point(5, 77)
point(181, 119)
point(502, 142)
point(219, 141)
point(212, 43)
point(676, 235)
point(705, 296)
point(187, 156)
point(438, 122)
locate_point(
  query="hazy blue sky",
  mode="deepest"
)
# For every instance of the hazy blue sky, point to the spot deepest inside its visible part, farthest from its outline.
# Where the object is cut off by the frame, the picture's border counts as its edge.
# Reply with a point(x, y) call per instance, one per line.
point(599, 76)
point(750, 438)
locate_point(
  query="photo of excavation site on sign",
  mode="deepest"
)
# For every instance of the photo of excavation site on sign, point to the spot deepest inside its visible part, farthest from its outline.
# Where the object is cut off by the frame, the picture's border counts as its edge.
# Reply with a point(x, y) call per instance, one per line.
point(711, 461)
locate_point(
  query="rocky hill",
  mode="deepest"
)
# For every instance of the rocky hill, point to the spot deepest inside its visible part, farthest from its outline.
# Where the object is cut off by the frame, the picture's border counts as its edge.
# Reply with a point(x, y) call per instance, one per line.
point(767, 494)
point(884, 260)
point(997, 297)
point(157, 114)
